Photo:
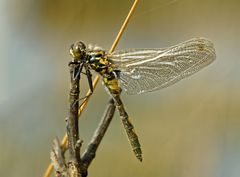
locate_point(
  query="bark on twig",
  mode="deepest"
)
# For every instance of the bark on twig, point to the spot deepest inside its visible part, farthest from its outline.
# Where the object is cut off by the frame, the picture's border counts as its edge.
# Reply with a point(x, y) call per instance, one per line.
point(91, 149)
point(74, 163)
point(58, 161)
point(57, 154)
point(73, 168)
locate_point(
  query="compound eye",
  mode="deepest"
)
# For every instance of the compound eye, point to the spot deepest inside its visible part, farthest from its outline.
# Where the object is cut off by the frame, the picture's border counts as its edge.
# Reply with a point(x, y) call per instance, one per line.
point(80, 45)
point(77, 50)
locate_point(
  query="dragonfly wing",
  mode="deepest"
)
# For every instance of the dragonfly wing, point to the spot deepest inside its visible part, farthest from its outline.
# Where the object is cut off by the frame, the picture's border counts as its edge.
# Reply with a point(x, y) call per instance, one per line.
point(145, 70)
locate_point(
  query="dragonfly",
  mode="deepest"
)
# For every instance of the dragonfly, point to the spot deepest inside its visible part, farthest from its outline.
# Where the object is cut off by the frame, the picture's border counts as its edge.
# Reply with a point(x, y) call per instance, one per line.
point(138, 71)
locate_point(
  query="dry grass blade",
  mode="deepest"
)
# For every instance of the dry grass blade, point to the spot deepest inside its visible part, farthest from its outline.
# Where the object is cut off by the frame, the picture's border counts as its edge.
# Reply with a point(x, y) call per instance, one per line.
point(84, 104)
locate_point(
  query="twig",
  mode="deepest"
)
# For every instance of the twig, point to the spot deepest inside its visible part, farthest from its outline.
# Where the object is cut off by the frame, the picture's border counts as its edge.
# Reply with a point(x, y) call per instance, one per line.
point(72, 121)
point(64, 140)
point(58, 160)
point(91, 149)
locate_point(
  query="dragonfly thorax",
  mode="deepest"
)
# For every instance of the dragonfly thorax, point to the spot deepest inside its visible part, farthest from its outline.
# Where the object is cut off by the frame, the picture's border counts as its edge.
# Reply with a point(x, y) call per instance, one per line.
point(98, 61)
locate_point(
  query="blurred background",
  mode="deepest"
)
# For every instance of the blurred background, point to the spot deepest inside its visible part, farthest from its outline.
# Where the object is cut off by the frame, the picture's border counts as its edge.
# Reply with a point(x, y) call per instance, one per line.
point(191, 129)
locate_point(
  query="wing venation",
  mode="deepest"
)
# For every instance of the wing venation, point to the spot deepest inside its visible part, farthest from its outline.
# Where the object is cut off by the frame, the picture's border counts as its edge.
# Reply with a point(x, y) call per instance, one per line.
point(145, 70)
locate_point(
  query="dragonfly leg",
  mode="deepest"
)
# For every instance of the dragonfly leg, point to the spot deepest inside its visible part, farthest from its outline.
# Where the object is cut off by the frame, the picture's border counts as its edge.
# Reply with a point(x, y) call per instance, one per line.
point(89, 77)
point(78, 71)
point(132, 136)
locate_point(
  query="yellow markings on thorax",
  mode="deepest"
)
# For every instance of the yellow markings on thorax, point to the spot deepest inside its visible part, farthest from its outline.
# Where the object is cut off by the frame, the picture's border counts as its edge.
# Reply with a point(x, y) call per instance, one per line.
point(103, 61)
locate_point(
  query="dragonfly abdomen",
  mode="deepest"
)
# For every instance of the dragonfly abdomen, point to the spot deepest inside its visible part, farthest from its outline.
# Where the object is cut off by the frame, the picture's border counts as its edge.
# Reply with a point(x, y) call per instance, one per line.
point(128, 126)
point(111, 83)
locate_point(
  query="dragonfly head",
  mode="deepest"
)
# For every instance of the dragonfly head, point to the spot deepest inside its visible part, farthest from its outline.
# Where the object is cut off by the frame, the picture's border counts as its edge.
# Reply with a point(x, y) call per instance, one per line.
point(78, 50)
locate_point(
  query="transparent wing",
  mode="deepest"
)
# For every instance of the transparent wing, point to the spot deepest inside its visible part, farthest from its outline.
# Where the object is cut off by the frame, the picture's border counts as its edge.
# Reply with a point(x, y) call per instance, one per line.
point(145, 70)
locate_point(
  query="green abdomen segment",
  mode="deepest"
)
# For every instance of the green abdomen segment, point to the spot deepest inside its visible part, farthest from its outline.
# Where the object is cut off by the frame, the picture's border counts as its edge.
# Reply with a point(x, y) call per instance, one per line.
point(114, 89)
